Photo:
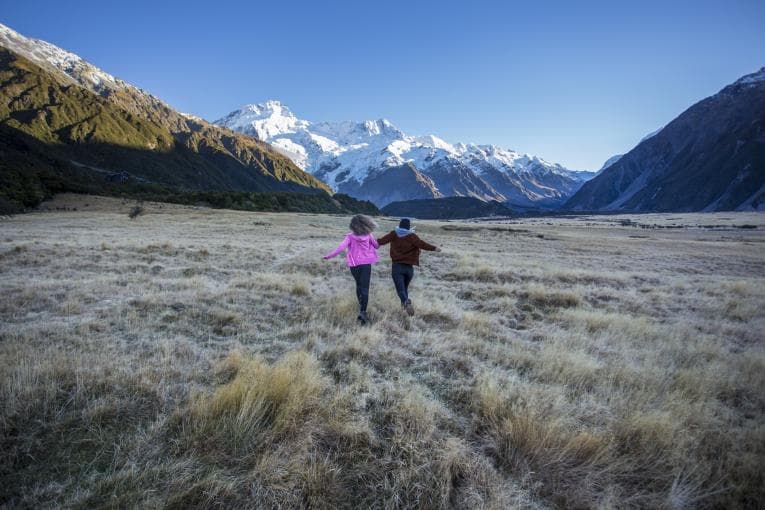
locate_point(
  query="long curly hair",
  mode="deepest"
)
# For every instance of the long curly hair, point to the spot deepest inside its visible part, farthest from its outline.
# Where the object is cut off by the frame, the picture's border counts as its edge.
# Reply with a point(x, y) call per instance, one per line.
point(362, 225)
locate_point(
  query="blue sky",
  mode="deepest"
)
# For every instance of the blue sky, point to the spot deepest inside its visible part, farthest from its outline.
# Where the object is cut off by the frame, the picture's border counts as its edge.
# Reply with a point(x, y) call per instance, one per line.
point(573, 82)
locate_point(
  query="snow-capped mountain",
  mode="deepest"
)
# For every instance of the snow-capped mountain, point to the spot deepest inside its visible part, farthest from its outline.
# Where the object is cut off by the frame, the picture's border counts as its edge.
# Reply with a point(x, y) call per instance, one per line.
point(376, 161)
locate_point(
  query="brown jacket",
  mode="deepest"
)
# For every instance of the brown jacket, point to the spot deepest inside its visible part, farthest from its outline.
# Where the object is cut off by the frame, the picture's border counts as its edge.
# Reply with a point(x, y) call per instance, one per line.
point(405, 250)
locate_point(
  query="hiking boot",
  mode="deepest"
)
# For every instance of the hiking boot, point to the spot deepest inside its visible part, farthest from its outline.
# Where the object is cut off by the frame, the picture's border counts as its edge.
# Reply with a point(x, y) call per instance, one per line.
point(363, 318)
point(409, 307)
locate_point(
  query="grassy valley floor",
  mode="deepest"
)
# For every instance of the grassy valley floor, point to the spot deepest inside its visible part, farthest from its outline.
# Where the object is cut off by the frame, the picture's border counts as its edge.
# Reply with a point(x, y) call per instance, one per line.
point(196, 358)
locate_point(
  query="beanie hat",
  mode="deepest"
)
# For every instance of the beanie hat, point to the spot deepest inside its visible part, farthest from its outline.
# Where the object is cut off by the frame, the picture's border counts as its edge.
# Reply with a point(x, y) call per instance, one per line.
point(404, 223)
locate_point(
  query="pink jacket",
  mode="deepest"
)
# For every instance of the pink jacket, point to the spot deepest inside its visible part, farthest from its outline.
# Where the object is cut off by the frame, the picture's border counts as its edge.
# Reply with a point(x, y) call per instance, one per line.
point(361, 249)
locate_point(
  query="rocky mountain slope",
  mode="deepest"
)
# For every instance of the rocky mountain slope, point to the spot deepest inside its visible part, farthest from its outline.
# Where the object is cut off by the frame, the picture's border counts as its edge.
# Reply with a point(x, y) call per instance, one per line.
point(369, 160)
point(87, 125)
point(710, 158)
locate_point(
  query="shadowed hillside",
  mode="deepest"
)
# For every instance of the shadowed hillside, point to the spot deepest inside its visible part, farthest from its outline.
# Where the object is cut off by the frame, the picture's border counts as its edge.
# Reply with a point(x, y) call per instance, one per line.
point(72, 132)
point(30, 172)
point(710, 158)
point(447, 208)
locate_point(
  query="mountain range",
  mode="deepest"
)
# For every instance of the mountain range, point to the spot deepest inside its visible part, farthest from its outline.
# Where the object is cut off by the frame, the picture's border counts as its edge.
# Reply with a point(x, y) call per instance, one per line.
point(376, 161)
point(711, 157)
point(66, 125)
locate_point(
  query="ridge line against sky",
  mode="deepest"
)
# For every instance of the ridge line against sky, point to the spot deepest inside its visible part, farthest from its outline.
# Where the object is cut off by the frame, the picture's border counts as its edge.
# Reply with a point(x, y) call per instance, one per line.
point(573, 84)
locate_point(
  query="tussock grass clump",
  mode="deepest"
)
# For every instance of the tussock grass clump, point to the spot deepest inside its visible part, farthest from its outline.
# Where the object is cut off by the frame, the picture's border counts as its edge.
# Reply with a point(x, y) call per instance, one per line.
point(423, 467)
point(294, 430)
point(295, 284)
point(201, 254)
point(63, 411)
point(474, 269)
point(544, 297)
point(574, 277)
point(338, 311)
point(408, 415)
point(566, 364)
point(223, 321)
point(166, 249)
point(740, 310)
point(592, 321)
point(478, 323)
point(261, 404)
point(361, 345)
point(570, 465)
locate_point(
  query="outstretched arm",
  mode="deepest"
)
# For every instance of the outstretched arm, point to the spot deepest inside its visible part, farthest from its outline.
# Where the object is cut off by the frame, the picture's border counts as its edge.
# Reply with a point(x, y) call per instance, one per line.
point(340, 247)
point(386, 238)
point(423, 245)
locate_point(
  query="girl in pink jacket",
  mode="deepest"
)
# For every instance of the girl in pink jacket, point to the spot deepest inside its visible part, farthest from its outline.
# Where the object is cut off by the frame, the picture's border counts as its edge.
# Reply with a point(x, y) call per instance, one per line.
point(361, 252)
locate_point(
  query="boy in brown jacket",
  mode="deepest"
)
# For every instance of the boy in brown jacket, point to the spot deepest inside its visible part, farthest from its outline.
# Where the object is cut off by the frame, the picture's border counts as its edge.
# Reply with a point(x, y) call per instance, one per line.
point(405, 249)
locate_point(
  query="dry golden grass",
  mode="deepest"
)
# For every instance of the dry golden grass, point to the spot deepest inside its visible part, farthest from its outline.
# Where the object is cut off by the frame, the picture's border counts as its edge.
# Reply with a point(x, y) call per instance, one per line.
point(199, 358)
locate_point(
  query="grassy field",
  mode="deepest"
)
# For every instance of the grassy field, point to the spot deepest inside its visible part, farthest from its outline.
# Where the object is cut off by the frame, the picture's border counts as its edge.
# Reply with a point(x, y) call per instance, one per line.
point(200, 358)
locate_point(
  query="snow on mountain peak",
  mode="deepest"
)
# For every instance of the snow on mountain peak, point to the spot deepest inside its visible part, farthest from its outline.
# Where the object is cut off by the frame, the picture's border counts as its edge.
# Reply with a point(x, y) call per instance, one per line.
point(435, 142)
point(270, 108)
point(753, 78)
point(344, 151)
point(373, 127)
point(263, 120)
point(191, 116)
point(71, 65)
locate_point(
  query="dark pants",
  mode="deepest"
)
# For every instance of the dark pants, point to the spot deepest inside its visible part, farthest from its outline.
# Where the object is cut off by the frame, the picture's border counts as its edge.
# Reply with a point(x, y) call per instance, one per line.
point(362, 275)
point(402, 274)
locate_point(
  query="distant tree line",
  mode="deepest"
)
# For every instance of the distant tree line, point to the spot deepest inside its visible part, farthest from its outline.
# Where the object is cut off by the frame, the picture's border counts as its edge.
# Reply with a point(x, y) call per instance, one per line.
point(20, 193)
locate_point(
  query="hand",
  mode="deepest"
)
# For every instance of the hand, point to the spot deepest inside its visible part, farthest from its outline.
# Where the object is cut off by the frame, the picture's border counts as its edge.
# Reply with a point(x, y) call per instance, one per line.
point(438, 249)
point(325, 257)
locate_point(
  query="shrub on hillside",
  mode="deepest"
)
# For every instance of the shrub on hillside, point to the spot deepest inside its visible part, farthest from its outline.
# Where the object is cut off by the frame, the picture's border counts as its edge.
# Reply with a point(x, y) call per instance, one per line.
point(135, 211)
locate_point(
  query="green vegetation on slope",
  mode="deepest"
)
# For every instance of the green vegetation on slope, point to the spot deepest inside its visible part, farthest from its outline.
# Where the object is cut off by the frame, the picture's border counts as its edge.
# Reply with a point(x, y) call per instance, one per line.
point(447, 208)
point(29, 176)
point(273, 201)
point(62, 137)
